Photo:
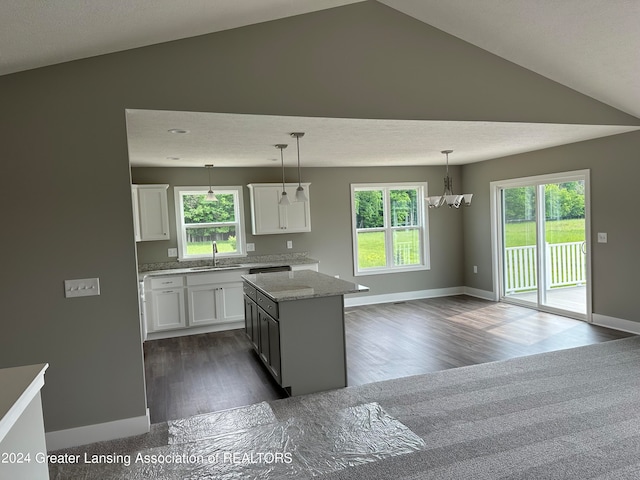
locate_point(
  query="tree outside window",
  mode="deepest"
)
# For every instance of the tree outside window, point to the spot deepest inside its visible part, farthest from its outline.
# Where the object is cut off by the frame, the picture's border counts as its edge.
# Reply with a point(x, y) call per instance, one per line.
point(201, 222)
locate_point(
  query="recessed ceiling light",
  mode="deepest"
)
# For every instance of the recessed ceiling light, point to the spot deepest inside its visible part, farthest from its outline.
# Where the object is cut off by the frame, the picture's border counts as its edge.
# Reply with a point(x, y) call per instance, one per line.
point(178, 130)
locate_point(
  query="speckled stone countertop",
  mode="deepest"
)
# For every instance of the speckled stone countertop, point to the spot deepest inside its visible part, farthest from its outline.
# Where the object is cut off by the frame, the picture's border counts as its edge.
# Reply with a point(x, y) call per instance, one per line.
point(297, 285)
point(224, 264)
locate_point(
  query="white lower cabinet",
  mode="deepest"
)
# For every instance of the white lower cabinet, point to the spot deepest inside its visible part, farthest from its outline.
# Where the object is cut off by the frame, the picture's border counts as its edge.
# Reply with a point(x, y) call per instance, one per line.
point(203, 305)
point(232, 304)
point(186, 302)
point(218, 303)
point(167, 310)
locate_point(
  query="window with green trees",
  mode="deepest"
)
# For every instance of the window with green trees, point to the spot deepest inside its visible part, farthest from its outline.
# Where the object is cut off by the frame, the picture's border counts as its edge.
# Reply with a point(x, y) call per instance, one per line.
point(201, 222)
point(389, 228)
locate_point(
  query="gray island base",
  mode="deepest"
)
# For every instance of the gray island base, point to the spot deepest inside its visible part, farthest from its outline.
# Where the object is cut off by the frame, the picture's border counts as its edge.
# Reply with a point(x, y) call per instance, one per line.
point(295, 321)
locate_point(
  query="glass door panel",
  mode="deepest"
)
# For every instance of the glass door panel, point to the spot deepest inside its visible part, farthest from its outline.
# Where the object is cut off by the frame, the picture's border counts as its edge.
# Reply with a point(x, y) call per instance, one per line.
point(519, 232)
point(544, 249)
point(565, 250)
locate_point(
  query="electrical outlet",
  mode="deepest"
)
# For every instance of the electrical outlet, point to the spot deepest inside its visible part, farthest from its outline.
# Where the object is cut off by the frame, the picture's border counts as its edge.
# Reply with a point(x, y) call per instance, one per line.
point(251, 247)
point(602, 237)
point(289, 244)
point(475, 269)
point(172, 252)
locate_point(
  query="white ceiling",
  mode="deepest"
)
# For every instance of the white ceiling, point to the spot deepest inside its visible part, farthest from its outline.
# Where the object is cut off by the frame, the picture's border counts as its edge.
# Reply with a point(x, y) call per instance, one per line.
point(588, 45)
point(230, 140)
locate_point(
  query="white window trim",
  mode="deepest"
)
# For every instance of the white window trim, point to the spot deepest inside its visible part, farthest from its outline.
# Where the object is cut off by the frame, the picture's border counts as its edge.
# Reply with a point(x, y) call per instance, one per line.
point(423, 228)
point(181, 231)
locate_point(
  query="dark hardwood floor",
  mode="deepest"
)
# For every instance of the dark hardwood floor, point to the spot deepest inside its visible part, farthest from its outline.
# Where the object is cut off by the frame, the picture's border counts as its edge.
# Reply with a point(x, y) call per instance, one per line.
point(210, 372)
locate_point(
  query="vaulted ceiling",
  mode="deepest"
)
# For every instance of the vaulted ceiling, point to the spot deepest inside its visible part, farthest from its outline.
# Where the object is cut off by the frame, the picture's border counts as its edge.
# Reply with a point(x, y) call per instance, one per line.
point(588, 45)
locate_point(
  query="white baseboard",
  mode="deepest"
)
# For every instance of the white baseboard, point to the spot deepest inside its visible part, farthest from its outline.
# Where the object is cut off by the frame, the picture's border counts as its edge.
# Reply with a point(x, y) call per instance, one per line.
point(402, 296)
point(476, 292)
point(74, 437)
point(616, 323)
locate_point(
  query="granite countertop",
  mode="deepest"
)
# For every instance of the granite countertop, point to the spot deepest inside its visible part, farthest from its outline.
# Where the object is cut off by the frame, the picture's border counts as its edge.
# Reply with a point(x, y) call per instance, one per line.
point(297, 285)
point(225, 264)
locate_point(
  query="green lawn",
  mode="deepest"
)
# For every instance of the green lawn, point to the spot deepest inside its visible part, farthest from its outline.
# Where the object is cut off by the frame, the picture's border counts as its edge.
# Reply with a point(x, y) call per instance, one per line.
point(371, 251)
point(558, 231)
point(202, 248)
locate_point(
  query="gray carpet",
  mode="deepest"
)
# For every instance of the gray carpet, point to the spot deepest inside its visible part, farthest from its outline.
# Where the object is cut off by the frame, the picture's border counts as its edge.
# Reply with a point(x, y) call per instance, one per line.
point(568, 414)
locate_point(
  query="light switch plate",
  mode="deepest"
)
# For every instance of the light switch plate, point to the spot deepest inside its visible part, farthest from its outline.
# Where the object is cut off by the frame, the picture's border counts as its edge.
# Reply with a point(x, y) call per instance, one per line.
point(289, 244)
point(602, 237)
point(82, 287)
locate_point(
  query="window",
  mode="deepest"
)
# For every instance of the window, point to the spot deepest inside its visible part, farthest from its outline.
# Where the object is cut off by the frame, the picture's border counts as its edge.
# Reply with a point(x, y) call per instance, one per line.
point(199, 223)
point(389, 228)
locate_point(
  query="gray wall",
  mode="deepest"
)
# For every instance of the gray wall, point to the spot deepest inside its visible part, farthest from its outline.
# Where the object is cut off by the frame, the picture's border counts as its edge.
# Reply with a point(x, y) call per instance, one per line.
point(66, 204)
point(330, 239)
point(614, 163)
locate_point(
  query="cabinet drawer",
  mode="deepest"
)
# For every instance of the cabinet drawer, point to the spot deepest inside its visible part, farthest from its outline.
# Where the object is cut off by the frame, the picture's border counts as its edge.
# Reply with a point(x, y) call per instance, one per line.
point(249, 291)
point(167, 282)
point(267, 304)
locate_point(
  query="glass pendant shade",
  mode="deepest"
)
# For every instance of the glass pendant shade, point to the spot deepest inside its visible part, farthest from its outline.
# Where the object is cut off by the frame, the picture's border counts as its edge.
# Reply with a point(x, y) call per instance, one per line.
point(300, 195)
point(284, 199)
point(211, 197)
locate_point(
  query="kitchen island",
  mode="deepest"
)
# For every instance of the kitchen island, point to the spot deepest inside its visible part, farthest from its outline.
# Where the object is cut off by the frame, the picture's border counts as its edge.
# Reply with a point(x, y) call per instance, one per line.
point(295, 321)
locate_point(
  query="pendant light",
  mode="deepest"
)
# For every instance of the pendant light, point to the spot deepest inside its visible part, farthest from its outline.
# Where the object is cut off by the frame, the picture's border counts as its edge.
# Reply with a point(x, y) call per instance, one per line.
point(284, 199)
point(448, 197)
point(300, 195)
point(211, 197)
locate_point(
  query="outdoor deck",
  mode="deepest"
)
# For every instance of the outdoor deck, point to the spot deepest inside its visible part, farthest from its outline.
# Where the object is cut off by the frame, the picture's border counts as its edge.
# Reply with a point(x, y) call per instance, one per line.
point(573, 299)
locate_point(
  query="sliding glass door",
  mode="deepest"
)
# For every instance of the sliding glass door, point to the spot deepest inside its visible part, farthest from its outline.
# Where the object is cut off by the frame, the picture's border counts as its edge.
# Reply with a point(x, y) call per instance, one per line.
point(543, 242)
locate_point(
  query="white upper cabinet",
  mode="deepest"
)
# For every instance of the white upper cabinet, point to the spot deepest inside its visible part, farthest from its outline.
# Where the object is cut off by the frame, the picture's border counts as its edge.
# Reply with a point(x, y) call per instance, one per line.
point(269, 217)
point(151, 212)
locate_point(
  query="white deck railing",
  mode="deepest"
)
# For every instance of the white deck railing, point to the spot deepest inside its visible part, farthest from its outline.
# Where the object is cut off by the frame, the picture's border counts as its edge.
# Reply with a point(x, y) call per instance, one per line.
point(565, 262)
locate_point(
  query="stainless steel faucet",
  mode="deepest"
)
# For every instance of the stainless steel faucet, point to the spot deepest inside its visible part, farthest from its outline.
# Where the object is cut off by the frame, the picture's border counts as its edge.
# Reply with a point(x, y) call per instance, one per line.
point(215, 250)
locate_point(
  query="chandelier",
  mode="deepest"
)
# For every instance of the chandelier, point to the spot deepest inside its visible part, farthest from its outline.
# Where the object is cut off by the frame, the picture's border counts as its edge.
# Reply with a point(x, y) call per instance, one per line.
point(448, 197)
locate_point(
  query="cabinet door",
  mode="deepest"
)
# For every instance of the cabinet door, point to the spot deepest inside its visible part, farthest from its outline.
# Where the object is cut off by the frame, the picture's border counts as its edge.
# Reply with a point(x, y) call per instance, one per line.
point(230, 304)
point(263, 319)
point(204, 305)
point(296, 215)
point(154, 212)
point(248, 310)
point(168, 310)
point(274, 347)
point(268, 217)
point(251, 322)
point(265, 211)
point(255, 327)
